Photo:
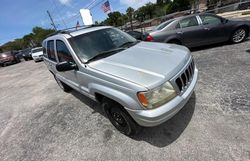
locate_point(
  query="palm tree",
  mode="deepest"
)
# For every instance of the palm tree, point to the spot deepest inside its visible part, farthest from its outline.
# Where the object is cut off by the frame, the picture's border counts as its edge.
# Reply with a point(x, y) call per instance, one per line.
point(130, 12)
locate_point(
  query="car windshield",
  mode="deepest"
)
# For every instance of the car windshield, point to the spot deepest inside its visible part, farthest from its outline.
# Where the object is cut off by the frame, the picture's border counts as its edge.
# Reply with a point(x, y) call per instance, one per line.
point(37, 50)
point(164, 24)
point(89, 45)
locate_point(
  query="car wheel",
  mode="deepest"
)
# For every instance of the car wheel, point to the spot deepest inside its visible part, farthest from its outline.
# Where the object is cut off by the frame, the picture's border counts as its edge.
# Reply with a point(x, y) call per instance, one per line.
point(62, 85)
point(25, 59)
point(119, 117)
point(239, 35)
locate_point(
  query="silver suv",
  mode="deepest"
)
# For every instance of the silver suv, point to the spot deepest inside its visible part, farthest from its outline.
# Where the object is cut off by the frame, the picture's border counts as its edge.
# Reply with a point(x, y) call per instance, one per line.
point(137, 83)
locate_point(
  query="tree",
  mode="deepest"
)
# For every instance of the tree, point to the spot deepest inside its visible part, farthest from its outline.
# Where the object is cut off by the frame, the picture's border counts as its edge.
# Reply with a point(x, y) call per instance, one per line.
point(115, 19)
point(130, 12)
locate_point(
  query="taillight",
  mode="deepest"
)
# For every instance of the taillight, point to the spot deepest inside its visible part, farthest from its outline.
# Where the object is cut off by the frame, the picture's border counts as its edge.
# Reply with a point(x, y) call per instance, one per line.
point(150, 38)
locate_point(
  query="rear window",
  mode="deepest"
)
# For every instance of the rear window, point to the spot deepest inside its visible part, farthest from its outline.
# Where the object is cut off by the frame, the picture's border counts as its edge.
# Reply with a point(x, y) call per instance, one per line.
point(37, 50)
point(164, 24)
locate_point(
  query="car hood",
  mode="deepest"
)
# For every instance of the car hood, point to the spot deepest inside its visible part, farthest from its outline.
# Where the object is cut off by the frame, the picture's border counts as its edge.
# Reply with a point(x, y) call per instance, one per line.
point(37, 53)
point(148, 64)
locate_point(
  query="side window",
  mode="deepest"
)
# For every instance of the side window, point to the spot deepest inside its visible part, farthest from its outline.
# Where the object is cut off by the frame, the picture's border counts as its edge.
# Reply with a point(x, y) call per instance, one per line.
point(62, 51)
point(51, 50)
point(189, 22)
point(44, 49)
point(210, 20)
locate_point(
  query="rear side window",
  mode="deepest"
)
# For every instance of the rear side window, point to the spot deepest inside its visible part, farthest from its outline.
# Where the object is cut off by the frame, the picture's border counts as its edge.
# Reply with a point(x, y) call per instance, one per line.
point(51, 50)
point(62, 51)
point(44, 49)
point(210, 20)
point(189, 22)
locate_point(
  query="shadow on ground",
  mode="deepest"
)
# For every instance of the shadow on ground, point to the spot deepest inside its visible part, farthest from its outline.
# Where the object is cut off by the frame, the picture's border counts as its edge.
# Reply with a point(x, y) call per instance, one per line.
point(206, 47)
point(161, 135)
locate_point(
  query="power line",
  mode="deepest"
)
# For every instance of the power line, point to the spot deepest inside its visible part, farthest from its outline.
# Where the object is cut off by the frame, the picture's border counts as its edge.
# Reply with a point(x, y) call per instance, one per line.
point(52, 22)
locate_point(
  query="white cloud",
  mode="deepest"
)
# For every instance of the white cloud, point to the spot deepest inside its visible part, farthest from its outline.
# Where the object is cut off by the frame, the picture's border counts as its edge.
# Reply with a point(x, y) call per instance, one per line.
point(64, 2)
point(136, 3)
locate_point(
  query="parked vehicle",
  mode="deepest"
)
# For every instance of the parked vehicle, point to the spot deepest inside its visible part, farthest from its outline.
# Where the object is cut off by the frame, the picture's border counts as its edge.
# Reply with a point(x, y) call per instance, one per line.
point(27, 54)
point(200, 29)
point(37, 54)
point(138, 35)
point(7, 58)
point(137, 83)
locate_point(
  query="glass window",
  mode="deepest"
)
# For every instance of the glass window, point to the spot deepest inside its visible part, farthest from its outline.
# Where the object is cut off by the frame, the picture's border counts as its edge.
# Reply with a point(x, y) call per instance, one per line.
point(210, 20)
point(163, 25)
point(189, 22)
point(44, 49)
point(51, 50)
point(37, 50)
point(91, 44)
point(62, 51)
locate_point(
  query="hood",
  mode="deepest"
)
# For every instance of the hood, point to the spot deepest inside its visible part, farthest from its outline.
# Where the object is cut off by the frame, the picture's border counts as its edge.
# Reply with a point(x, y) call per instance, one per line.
point(148, 64)
point(37, 53)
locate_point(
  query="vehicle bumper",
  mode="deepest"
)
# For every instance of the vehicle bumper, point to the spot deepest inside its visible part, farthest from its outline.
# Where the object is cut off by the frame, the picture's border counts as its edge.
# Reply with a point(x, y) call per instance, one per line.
point(149, 118)
point(37, 58)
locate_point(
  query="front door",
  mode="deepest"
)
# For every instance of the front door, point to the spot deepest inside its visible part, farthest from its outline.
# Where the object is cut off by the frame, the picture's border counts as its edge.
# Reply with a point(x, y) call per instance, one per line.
point(63, 54)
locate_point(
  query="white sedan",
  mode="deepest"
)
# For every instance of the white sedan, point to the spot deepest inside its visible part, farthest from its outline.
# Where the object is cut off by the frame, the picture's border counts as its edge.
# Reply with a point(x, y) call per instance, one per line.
point(37, 54)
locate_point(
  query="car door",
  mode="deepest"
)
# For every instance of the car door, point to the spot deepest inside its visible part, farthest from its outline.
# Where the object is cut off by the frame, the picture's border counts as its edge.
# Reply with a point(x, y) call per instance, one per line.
point(214, 29)
point(189, 30)
point(63, 54)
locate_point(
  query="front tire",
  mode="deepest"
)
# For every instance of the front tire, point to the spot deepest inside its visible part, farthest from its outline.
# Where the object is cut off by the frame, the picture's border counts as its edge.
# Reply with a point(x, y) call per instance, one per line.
point(119, 117)
point(239, 35)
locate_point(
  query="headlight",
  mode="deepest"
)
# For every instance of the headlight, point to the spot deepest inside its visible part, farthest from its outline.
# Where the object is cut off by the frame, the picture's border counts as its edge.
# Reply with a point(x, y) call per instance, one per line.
point(158, 96)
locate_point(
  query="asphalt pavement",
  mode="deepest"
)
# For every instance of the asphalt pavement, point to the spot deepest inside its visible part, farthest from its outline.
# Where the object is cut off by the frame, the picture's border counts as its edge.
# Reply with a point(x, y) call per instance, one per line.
point(38, 121)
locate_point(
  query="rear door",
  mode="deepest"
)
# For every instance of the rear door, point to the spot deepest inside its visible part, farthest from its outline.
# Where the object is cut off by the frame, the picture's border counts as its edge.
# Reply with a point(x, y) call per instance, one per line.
point(63, 54)
point(190, 31)
point(214, 29)
point(50, 56)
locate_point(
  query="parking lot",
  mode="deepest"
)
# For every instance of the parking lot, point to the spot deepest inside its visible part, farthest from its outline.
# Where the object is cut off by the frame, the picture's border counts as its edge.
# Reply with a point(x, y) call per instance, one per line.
point(38, 121)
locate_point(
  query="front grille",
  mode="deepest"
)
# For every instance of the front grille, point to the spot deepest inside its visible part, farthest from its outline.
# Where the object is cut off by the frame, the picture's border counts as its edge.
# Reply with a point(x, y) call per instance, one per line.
point(186, 77)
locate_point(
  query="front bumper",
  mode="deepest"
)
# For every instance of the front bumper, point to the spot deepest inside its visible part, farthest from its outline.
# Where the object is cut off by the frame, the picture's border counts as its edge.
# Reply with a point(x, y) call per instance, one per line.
point(149, 118)
point(40, 58)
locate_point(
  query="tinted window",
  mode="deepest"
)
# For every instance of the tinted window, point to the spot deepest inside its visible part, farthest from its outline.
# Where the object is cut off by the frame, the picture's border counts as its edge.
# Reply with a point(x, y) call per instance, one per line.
point(189, 22)
point(210, 20)
point(51, 50)
point(44, 49)
point(62, 51)
point(37, 50)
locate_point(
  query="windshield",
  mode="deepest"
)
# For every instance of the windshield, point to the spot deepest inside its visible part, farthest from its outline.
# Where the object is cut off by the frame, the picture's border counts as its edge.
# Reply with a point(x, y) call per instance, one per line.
point(164, 24)
point(37, 50)
point(89, 45)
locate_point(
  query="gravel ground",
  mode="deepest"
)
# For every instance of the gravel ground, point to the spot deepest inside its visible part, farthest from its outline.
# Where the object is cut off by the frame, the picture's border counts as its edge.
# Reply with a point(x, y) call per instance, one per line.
point(38, 121)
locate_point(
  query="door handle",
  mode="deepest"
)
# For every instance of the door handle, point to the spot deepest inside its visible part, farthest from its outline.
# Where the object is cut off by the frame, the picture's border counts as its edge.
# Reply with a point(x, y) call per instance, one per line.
point(206, 28)
point(179, 32)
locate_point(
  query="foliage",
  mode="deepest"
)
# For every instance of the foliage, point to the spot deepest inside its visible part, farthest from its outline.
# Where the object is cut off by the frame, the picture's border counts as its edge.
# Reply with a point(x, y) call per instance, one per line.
point(33, 39)
point(148, 11)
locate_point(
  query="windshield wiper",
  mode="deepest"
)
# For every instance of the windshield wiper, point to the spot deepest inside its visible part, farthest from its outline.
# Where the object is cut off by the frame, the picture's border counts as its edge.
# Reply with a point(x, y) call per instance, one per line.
point(105, 54)
point(129, 43)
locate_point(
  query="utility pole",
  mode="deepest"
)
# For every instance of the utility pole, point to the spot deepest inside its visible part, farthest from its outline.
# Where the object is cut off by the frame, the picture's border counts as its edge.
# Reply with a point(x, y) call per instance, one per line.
point(52, 22)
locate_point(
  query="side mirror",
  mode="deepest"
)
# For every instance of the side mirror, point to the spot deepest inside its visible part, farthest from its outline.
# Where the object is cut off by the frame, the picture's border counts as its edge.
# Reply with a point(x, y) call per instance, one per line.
point(65, 66)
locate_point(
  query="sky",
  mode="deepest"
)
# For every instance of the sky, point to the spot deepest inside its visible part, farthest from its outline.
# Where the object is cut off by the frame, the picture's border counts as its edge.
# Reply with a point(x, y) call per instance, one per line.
point(18, 17)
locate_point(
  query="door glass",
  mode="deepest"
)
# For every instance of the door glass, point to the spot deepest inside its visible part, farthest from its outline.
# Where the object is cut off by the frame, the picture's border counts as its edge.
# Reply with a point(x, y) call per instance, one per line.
point(51, 50)
point(63, 53)
point(189, 22)
point(210, 20)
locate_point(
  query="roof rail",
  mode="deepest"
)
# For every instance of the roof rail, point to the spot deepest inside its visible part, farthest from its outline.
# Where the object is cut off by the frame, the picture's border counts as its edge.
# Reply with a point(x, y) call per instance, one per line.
point(72, 29)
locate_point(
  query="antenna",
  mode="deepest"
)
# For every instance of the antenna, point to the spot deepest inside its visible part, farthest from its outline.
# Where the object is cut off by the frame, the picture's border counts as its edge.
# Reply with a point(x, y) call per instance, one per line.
point(52, 22)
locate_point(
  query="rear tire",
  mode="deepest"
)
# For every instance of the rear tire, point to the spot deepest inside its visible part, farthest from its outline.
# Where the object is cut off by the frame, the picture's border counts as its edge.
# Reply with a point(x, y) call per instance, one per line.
point(25, 59)
point(239, 35)
point(62, 85)
point(120, 118)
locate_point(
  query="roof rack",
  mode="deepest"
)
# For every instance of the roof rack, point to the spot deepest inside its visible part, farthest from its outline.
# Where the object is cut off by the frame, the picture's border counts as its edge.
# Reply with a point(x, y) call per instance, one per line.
point(72, 29)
